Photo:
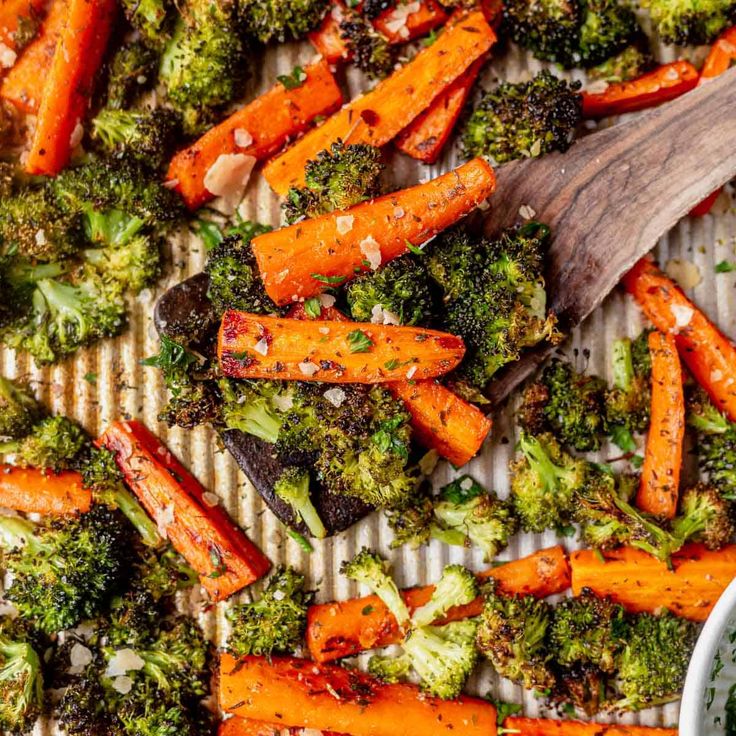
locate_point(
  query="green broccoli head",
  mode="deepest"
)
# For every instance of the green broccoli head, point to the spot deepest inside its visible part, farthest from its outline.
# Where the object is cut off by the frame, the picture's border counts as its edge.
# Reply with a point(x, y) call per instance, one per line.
point(21, 678)
point(275, 623)
point(66, 570)
point(235, 282)
point(54, 443)
point(371, 51)
point(252, 407)
point(691, 21)
point(390, 669)
point(19, 410)
point(544, 483)
point(281, 20)
point(203, 64)
point(145, 135)
point(494, 297)
point(524, 119)
point(149, 18)
point(705, 516)
point(588, 630)
point(608, 26)
point(574, 409)
point(457, 586)
point(132, 69)
point(550, 29)
point(512, 635)
point(488, 522)
point(653, 664)
point(292, 487)
point(373, 571)
point(34, 225)
point(413, 522)
point(402, 288)
point(338, 178)
point(628, 64)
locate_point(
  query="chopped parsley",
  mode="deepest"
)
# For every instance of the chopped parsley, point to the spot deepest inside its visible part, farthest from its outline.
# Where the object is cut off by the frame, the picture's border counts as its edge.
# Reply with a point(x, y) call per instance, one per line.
point(328, 279)
point(359, 342)
point(313, 308)
point(294, 80)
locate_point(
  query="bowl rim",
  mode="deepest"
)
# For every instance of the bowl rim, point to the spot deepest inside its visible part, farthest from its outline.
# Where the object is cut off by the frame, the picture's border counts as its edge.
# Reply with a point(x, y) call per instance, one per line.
point(692, 707)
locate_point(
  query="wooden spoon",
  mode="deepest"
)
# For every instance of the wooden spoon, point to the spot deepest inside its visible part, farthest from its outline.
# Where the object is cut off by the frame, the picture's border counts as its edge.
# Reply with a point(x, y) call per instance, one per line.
point(612, 196)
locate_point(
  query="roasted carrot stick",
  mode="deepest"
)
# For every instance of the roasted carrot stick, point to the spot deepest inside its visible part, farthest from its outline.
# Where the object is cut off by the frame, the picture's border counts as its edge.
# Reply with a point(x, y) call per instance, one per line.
point(344, 628)
point(660, 475)
point(306, 258)
point(722, 55)
point(15, 16)
point(67, 90)
point(709, 355)
point(327, 38)
point(640, 582)
point(258, 129)
point(551, 727)
point(298, 692)
point(204, 535)
point(246, 727)
point(34, 492)
point(442, 421)
point(24, 83)
point(653, 88)
point(427, 134)
point(254, 346)
point(381, 114)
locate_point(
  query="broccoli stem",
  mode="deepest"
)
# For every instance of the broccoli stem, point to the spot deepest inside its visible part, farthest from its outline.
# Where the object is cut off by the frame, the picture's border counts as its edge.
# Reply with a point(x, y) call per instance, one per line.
point(550, 473)
point(15, 532)
point(623, 364)
point(121, 498)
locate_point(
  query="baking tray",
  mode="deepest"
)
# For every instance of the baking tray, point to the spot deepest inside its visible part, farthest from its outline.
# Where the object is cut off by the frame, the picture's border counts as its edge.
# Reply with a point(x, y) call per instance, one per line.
point(107, 381)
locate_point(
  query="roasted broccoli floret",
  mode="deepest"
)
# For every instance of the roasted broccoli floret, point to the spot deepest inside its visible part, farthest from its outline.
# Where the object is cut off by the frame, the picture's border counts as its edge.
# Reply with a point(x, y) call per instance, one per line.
point(456, 587)
point(607, 28)
point(133, 69)
point(630, 63)
point(281, 20)
point(627, 402)
point(19, 410)
point(146, 136)
point(275, 623)
point(292, 487)
point(148, 17)
point(544, 483)
point(654, 662)
point(550, 29)
point(54, 443)
point(371, 51)
point(573, 410)
point(691, 21)
point(524, 119)
point(512, 634)
point(21, 678)
point(400, 292)
point(203, 65)
point(251, 407)
point(486, 521)
point(338, 178)
point(715, 444)
point(64, 571)
point(588, 630)
point(494, 297)
point(705, 516)
point(235, 282)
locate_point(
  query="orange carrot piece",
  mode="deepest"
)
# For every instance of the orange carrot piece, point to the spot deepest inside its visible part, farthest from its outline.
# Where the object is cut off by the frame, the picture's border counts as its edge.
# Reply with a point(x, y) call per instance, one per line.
point(660, 475)
point(67, 90)
point(255, 346)
point(443, 421)
point(14, 14)
point(653, 88)
point(304, 259)
point(33, 491)
point(429, 16)
point(427, 135)
point(327, 39)
point(551, 727)
point(270, 120)
point(298, 692)
point(381, 114)
point(247, 727)
point(705, 350)
point(344, 628)
point(24, 83)
point(641, 583)
point(204, 535)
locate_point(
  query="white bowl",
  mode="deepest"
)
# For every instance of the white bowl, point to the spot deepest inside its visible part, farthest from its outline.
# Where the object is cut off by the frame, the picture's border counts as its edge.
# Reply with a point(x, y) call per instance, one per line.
point(703, 683)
